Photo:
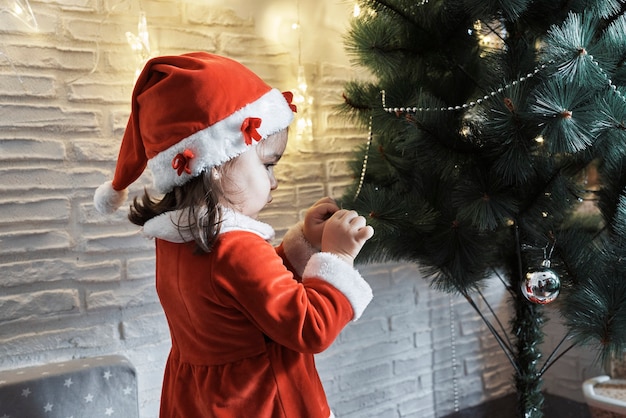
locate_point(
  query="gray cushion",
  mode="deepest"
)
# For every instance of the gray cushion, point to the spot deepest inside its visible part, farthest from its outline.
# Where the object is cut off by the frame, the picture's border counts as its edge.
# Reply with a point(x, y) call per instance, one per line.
point(90, 387)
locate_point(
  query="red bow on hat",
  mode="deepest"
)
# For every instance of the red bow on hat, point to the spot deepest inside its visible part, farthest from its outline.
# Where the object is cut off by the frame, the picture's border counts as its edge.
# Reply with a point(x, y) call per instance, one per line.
point(181, 162)
point(249, 128)
point(289, 97)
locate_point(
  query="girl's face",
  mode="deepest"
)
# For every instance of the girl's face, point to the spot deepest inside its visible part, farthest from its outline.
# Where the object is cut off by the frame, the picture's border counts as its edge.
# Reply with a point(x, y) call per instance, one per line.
point(249, 180)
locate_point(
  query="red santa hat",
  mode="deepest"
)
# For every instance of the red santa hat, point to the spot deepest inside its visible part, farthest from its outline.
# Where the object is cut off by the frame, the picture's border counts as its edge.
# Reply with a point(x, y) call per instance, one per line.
point(189, 113)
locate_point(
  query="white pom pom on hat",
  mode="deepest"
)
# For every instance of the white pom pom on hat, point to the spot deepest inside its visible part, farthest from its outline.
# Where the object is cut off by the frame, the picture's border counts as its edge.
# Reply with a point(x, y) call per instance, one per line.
point(189, 113)
point(107, 200)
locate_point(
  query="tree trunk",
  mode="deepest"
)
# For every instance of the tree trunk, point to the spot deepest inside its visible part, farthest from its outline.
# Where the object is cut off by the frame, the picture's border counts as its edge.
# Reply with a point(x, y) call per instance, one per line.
point(527, 326)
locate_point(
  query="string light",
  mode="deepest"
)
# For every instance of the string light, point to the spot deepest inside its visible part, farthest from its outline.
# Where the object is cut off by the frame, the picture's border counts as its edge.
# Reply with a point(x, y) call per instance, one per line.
point(359, 12)
point(20, 9)
point(140, 43)
point(301, 98)
point(303, 101)
point(487, 36)
point(455, 381)
point(362, 13)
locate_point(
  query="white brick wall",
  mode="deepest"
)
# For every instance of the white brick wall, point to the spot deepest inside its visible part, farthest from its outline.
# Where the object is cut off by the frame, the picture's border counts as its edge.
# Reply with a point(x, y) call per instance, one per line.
point(76, 284)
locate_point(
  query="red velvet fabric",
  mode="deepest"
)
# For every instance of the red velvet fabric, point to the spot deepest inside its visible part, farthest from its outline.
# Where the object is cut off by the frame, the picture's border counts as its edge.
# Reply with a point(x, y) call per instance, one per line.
point(244, 330)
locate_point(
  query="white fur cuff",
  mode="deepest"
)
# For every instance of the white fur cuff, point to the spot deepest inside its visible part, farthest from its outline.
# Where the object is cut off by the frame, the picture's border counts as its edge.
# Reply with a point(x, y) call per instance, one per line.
point(297, 249)
point(343, 277)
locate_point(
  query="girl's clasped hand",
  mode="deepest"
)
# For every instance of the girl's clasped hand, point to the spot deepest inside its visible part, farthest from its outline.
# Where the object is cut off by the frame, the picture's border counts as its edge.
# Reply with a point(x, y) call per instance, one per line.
point(337, 231)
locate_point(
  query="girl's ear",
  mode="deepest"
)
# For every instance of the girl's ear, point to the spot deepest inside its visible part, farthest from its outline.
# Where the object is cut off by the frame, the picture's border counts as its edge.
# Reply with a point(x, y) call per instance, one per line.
point(215, 173)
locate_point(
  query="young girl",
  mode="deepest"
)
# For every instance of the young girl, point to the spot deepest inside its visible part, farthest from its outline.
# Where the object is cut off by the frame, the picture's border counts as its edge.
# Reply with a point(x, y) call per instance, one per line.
point(245, 318)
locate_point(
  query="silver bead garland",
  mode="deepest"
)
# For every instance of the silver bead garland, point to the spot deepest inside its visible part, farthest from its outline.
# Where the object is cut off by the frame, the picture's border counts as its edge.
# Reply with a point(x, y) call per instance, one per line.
point(494, 93)
point(364, 167)
point(464, 105)
point(607, 78)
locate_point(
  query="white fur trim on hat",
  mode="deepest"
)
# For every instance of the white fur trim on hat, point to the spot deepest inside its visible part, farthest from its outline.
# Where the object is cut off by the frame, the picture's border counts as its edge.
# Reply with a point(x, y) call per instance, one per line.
point(107, 200)
point(221, 141)
point(343, 277)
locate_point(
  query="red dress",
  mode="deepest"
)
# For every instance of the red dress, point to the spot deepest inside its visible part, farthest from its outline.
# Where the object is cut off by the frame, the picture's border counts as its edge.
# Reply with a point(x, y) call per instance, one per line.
point(245, 320)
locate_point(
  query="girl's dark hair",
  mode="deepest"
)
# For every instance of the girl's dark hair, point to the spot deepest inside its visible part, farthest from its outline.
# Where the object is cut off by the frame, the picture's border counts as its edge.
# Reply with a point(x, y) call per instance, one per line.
point(199, 196)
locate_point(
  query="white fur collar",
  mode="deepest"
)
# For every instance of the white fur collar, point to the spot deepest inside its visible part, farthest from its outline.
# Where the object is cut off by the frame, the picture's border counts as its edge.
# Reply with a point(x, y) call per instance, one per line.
point(166, 226)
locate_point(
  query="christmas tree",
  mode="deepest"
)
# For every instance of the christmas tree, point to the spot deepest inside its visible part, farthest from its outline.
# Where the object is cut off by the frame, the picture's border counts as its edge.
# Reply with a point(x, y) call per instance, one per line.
point(489, 121)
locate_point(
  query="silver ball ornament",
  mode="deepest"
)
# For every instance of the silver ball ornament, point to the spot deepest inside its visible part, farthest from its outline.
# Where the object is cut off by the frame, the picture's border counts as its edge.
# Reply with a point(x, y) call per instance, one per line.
point(541, 285)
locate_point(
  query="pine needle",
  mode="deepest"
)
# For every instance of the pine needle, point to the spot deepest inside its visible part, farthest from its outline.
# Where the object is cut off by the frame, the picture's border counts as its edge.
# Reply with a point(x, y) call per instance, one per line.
point(570, 46)
point(567, 112)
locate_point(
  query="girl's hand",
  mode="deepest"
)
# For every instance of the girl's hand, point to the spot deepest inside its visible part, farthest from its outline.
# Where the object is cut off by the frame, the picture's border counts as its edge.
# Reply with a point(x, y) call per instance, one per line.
point(315, 219)
point(345, 233)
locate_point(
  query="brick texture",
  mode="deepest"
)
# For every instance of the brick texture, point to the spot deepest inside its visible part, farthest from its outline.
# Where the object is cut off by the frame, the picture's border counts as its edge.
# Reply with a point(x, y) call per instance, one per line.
point(77, 284)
